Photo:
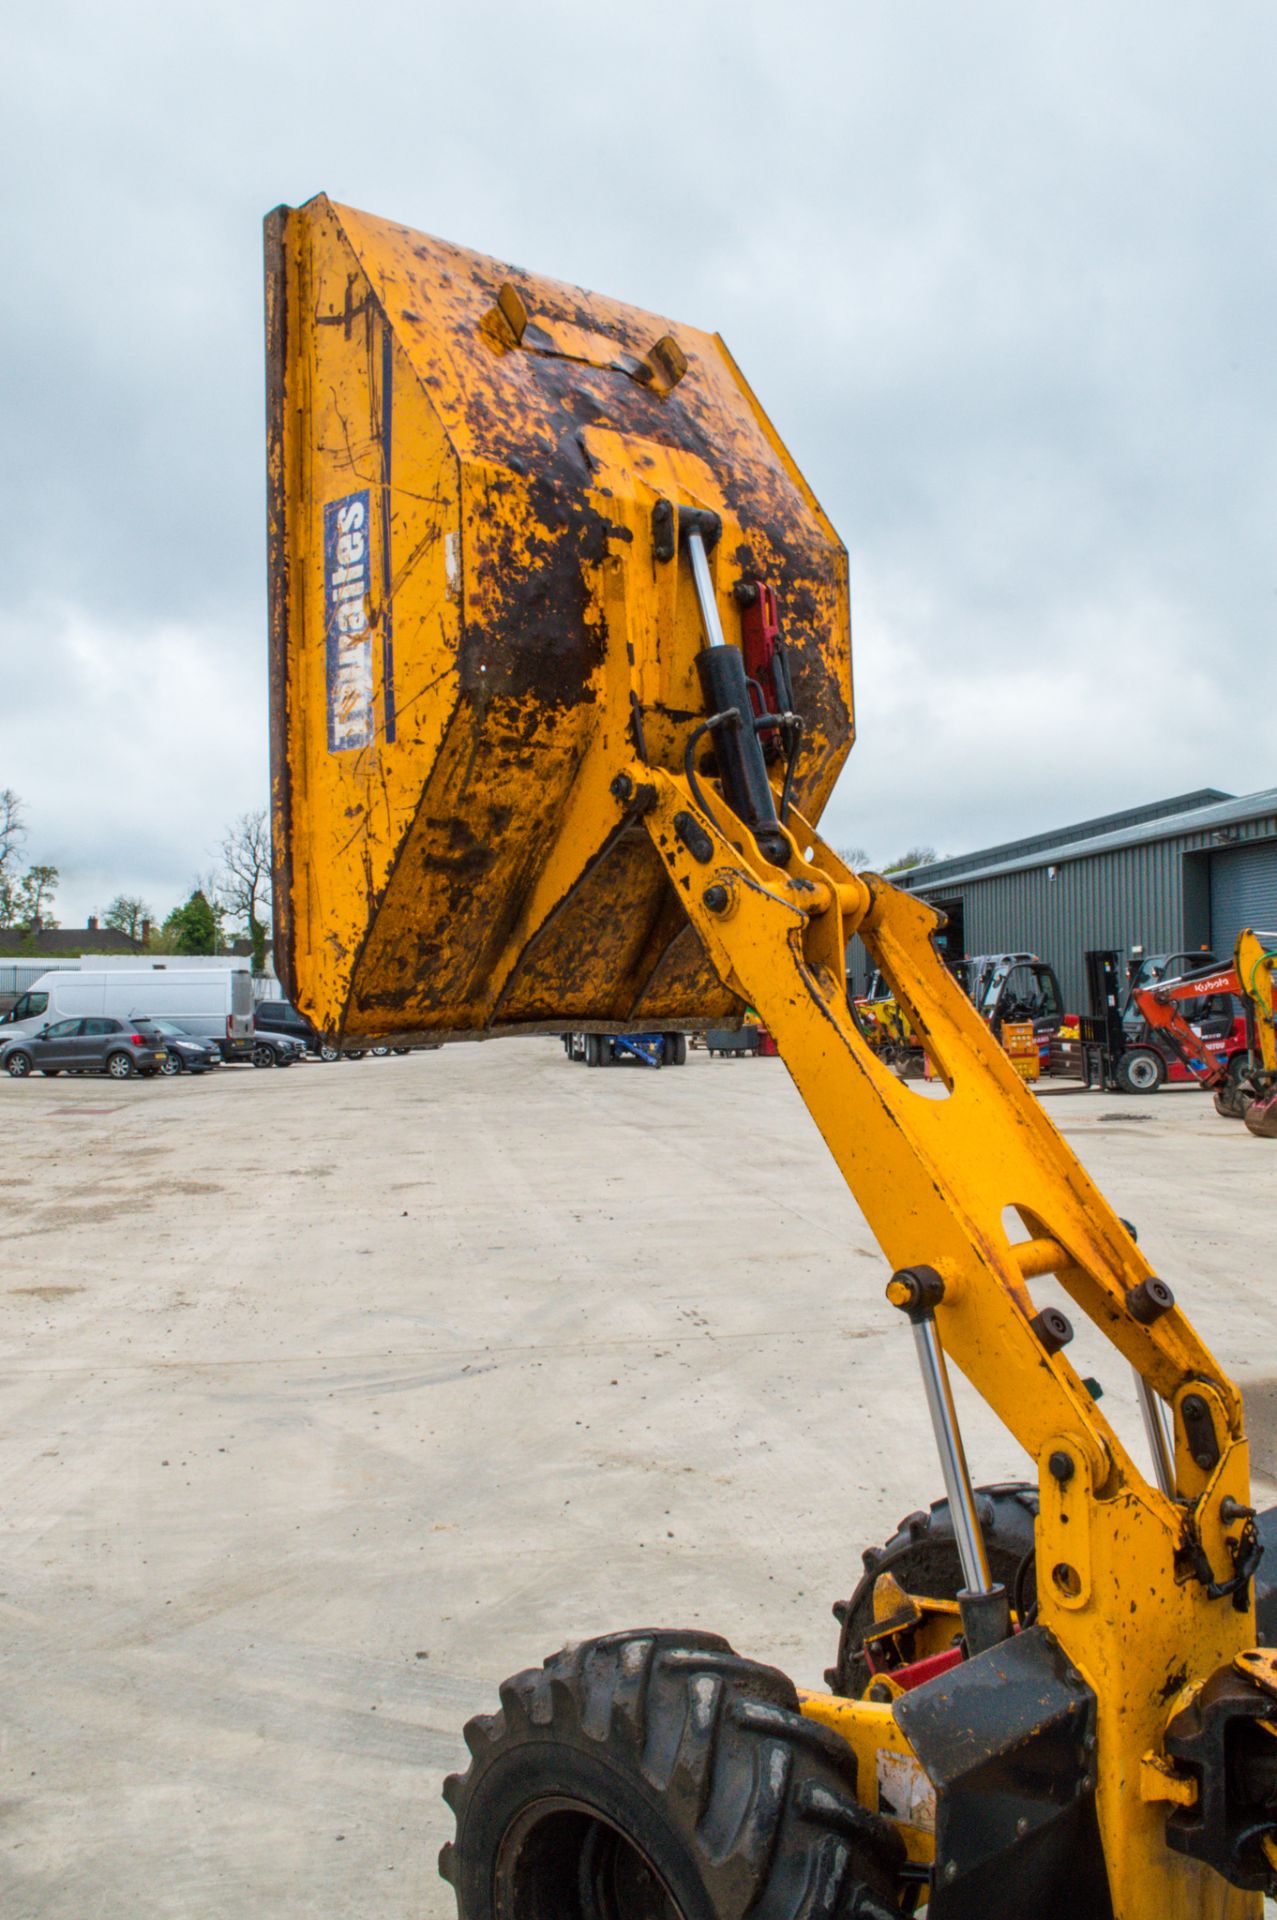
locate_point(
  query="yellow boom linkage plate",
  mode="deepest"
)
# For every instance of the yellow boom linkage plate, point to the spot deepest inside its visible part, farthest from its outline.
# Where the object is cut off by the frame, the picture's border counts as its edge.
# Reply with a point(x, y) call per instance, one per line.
point(470, 633)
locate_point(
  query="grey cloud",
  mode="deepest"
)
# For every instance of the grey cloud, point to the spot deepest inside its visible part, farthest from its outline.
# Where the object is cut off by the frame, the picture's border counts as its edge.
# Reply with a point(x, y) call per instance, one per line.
point(1003, 276)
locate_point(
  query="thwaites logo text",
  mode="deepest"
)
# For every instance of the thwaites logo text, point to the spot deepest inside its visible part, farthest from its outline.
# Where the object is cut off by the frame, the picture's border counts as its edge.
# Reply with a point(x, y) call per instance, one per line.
point(349, 637)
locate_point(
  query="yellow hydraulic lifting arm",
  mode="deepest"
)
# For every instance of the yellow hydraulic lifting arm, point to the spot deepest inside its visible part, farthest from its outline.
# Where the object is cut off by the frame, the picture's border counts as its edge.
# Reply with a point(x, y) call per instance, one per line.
point(937, 1180)
point(560, 677)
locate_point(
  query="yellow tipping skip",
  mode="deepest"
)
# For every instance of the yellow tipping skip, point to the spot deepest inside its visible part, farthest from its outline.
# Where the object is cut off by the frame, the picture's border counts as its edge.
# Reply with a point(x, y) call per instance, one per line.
point(470, 633)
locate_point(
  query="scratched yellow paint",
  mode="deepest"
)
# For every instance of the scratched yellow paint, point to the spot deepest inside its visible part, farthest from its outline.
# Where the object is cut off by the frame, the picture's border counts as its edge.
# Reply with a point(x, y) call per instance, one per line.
point(452, 871)
point(483, 687)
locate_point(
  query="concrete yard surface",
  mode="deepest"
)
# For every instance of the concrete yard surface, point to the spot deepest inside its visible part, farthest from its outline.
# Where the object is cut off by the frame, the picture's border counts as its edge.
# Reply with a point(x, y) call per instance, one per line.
point(333, 1396)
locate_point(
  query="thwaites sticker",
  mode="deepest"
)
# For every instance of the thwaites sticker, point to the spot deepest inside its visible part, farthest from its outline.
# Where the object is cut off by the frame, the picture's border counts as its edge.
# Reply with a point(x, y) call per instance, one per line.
point(347, 575)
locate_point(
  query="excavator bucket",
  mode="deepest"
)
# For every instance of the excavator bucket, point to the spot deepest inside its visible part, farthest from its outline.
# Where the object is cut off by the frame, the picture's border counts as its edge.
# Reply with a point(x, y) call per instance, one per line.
point(478, 616)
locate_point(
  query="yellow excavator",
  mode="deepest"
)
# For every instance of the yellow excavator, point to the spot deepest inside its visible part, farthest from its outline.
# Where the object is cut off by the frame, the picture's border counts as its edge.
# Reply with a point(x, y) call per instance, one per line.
point(561, 681)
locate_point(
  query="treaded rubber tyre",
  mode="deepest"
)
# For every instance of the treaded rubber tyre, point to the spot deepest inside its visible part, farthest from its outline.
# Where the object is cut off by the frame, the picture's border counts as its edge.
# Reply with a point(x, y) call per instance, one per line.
point(923, 1555)
point(677, 1050)
point(1140, 1070)
point(658, 1776)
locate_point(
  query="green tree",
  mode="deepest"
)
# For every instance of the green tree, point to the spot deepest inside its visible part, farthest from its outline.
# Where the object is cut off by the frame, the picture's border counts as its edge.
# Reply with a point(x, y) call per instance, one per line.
point(193, 925)
point(127, 914)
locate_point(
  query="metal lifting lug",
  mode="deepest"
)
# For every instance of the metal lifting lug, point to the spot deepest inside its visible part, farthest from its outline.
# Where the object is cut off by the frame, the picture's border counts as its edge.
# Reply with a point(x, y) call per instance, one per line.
point(671, 526)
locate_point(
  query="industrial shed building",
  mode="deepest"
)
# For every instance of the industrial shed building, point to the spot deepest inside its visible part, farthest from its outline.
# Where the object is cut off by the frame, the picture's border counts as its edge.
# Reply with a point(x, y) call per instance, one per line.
point(1180, 873)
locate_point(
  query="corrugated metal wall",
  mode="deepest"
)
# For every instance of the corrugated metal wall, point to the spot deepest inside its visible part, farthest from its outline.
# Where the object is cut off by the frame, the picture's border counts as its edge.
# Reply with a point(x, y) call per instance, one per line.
point(1243, 892)
point(1155, 894)
point(1132, 895)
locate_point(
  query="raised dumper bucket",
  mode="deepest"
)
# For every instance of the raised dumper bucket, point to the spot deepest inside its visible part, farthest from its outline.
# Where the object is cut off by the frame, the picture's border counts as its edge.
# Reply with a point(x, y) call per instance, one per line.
point(474, 632)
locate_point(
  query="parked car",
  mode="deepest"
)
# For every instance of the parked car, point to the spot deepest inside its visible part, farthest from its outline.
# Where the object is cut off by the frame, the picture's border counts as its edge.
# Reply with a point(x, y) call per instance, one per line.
point(281, 1016)
point(276, 1050)
point(94, 1044)
point(183, 1051)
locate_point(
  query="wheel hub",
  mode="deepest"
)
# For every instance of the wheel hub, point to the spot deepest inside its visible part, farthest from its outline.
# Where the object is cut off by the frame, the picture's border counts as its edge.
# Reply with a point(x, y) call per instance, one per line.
point(562, 1860)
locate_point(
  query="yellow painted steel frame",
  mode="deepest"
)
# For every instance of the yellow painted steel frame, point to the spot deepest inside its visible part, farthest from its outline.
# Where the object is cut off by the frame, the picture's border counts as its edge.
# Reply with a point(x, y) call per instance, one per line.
point(1254, 963)
point(938, 1180)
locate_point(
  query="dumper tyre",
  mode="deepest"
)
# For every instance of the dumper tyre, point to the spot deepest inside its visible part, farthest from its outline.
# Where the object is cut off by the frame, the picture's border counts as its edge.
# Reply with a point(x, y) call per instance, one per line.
point(598, 1050)
point(922, 1554)
point(658, 1776)
point(1140, 1070)
point(676, 1051)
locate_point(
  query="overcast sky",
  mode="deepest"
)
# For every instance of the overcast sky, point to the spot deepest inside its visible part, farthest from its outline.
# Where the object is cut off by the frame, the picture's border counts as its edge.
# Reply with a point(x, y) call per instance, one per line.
point(1003, 275)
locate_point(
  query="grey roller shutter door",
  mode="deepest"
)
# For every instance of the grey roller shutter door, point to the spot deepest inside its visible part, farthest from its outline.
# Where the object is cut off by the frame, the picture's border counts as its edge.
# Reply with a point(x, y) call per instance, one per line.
point(1243, 893)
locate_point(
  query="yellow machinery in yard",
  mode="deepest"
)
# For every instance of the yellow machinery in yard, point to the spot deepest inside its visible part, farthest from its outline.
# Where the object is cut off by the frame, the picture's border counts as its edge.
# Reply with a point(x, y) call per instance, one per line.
point(560, 685)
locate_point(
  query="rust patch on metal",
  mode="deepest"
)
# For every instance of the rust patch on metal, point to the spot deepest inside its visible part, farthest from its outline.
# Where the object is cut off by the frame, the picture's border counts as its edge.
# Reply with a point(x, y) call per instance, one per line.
point(536, 641)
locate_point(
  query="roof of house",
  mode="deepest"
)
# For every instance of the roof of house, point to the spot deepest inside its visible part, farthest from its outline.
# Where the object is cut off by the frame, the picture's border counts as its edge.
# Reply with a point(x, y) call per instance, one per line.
point(27, 942)
point(1203, 813)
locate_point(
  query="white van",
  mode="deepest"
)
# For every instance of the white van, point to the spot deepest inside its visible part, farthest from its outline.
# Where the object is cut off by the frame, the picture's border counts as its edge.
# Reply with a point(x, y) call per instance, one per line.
point(211, 1003)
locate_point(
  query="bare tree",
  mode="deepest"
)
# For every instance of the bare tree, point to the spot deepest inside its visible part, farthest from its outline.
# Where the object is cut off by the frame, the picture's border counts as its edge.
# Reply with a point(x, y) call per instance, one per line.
point(853, 857)
point(244, 884)
point(13, 827)
point(13, 831)
point(128, 914)
point(913, 857)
